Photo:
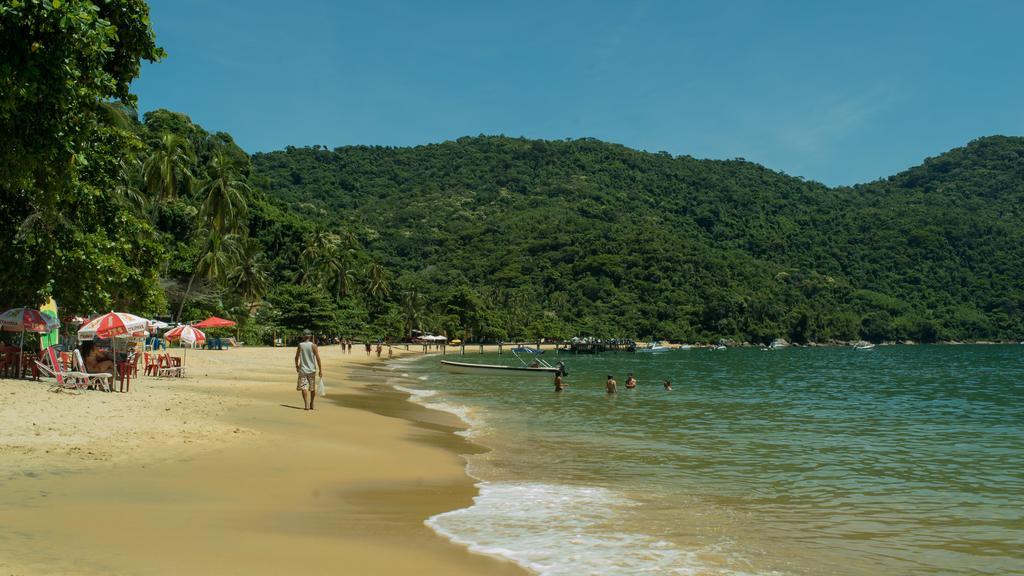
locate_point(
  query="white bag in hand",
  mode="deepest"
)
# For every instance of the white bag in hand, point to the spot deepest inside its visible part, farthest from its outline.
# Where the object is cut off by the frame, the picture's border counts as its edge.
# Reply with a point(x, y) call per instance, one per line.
point(320, 387)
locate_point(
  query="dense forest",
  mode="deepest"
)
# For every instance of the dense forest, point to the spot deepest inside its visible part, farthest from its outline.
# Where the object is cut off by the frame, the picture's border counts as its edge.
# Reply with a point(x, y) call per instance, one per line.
point(483, 238)
point(583, 237)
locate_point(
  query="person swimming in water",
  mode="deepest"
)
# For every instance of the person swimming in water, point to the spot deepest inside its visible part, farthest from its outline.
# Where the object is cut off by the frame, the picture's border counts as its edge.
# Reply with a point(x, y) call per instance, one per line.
point(630, 382)
point(610, 386)
point(668, 385)
point(559, 383)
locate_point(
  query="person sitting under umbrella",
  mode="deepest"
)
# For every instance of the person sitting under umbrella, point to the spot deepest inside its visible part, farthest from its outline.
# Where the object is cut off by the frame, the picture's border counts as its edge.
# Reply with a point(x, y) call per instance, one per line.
point(96, 361)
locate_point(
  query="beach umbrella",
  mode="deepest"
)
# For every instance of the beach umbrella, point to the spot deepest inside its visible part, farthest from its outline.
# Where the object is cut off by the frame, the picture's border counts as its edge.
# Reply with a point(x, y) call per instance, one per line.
point(215, 322)
point(27, 320)
point(113, 324)
point(186, 334)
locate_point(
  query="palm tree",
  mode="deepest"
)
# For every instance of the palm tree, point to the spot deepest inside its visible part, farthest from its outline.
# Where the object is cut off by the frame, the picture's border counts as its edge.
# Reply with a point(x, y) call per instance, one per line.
point(320, 259)
point(249, 274)
point(168, 169)
point(413, 310)
point(380, 285)
point(215, 261)
point(224, 206)
point(130, 185)
point(345, 278)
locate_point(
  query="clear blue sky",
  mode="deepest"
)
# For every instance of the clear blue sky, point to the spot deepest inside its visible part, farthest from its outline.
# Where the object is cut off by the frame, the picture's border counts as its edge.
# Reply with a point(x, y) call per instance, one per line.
point(836, 92)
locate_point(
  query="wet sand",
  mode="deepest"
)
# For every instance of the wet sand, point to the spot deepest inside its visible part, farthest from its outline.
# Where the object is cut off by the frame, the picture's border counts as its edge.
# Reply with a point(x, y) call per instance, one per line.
point(224, 473)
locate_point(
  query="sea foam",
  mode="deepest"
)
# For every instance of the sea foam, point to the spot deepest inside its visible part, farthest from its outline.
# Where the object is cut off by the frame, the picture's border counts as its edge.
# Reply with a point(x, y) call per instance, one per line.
point(558, 530)
point(471, 417)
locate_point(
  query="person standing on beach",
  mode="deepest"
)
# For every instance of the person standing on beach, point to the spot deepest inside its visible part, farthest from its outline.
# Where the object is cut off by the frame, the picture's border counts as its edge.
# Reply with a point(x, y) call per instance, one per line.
point(307, 365)
point(369, 347)
point(610, 385)
point(630, 382)
point(378, 349)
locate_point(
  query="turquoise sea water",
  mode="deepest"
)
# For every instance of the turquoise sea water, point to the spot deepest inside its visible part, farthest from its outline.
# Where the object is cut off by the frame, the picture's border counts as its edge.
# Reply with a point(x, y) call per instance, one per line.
point(900, 460)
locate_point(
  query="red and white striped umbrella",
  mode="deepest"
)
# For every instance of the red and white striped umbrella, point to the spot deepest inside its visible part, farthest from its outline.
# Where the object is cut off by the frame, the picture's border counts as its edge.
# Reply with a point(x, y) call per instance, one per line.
point(113, 324)
point(187, 334)
point(27, 320)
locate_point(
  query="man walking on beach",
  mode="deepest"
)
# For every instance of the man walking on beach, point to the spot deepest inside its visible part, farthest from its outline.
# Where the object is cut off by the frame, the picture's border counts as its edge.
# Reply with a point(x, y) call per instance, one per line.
point(307, 364)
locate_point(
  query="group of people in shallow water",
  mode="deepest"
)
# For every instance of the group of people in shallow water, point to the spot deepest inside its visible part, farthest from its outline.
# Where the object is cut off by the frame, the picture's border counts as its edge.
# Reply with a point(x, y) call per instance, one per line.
point(610, 385)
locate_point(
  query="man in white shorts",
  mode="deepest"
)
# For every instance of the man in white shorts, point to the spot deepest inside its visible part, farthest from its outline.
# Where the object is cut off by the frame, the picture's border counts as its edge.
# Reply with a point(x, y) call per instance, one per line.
point(307, 364)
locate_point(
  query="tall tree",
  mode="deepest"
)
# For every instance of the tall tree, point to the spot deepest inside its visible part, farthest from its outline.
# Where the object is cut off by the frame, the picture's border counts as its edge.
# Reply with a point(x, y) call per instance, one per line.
point(379, 283)
point(168, 169)
point(249, 274)
point(413, 310)
point(60, 64)
point(216, 261)
point(224, 195)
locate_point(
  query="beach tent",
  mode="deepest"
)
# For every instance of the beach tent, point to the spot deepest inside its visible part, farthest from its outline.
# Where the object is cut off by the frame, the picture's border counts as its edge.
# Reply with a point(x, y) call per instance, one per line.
point(215, 322)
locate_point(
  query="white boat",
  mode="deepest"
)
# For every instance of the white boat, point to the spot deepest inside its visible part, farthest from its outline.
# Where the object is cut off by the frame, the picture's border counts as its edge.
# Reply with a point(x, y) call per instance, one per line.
point(654, 347)
point(719, 347)
point(537, 367)
point(864, 346)
point(496, 370)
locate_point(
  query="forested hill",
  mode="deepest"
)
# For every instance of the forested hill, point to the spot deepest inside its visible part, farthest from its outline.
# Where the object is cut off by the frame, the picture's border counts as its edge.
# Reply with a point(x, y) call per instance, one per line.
point(596, 238)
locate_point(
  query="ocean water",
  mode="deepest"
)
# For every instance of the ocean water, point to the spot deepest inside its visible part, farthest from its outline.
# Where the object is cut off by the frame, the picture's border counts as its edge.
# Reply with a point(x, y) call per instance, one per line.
point(899, 460)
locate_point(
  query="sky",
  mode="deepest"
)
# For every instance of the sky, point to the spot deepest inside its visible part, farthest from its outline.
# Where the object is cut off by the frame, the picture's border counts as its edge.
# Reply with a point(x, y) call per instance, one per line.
point(837, 92)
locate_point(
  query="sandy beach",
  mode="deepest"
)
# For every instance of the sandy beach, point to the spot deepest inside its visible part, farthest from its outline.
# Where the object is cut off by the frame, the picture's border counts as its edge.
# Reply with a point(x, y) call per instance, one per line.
point(224, 473)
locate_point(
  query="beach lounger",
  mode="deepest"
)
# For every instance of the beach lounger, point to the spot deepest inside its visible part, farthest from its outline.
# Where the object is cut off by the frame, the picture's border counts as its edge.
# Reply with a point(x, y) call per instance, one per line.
point(93, 378)
point(51, 367)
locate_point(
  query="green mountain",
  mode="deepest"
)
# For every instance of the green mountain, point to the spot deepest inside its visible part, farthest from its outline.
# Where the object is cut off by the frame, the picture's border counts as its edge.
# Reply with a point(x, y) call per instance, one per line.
point(507, 235)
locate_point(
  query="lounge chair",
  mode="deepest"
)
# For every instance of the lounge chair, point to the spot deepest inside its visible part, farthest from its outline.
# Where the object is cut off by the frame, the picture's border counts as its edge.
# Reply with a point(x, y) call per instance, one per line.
point(53, 369)
point(103, 379)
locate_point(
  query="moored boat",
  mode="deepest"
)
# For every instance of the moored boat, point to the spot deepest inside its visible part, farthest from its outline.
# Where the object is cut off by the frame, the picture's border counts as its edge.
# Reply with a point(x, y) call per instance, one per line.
point(536, 367)
point(494, 369)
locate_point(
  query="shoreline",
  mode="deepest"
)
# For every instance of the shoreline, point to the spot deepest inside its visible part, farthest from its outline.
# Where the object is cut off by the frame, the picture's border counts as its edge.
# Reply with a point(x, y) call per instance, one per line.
point(350, 485)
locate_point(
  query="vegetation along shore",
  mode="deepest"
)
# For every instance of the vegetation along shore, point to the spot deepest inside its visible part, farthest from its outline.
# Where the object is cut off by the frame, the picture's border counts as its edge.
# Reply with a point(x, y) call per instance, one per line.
point(483, 237)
